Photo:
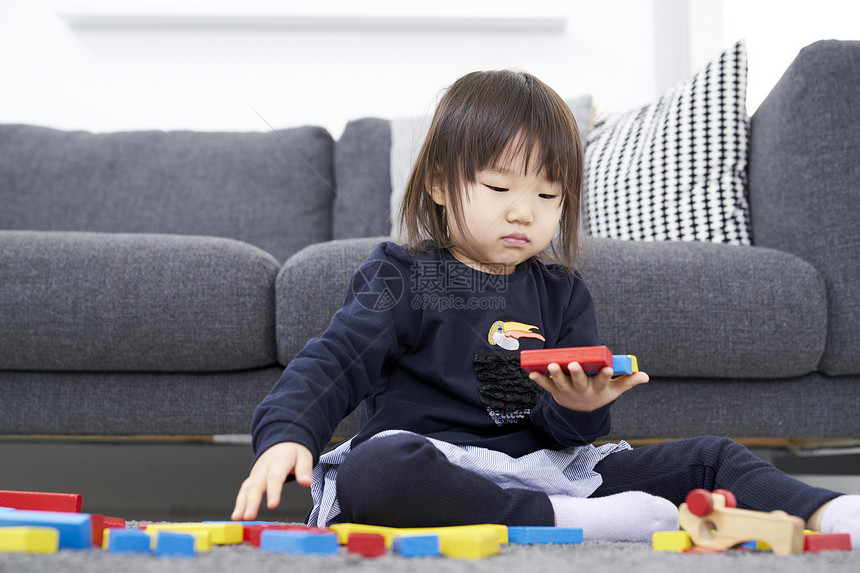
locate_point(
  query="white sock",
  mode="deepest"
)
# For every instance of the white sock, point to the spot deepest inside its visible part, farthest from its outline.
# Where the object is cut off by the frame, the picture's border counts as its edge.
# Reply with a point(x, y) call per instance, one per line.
point(843, 516)
point(627, 516)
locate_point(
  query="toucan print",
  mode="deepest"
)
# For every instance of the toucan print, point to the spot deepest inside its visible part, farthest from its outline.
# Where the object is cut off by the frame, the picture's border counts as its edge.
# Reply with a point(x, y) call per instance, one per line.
point(507, 334)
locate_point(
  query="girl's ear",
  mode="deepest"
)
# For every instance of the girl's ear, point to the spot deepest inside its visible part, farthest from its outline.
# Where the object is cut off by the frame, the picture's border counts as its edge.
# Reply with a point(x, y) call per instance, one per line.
point(435, 188)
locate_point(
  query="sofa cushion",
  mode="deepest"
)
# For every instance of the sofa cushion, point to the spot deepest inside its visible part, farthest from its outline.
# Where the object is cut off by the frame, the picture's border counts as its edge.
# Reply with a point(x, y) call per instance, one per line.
point(675, 169)
point(311, 286)
point(272, 190)
point(361, 166)
point(131, 403)
point(805, 182)
point(704, 310)
point(697, 310)
point(92, 301)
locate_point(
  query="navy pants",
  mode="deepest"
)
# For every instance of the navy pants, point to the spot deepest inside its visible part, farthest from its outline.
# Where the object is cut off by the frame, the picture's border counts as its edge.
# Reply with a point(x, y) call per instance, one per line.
point(402, 480)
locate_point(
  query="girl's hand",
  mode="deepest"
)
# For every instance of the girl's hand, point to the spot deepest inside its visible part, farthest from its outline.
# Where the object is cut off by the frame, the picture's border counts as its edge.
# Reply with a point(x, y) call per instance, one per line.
point(577, 391)
point(268, 475)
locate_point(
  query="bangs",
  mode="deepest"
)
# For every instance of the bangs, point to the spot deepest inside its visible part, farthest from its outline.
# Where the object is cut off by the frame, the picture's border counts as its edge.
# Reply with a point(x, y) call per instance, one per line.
point(512, 115)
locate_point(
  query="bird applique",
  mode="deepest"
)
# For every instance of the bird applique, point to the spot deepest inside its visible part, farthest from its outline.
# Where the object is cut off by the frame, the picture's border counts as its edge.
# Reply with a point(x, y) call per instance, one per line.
point(507, 334)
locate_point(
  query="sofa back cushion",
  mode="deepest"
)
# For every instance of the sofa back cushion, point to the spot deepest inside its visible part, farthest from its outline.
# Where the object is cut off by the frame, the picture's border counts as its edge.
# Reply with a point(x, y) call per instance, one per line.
point(273, 190)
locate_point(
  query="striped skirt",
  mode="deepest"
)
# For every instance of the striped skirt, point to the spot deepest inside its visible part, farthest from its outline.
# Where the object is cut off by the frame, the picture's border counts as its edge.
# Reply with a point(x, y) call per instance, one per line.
point(555, 472)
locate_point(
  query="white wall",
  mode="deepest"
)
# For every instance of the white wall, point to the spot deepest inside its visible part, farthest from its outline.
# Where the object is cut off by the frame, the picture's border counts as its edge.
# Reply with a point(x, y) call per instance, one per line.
point(256, 75)
point(776, 30)
point(102, 78)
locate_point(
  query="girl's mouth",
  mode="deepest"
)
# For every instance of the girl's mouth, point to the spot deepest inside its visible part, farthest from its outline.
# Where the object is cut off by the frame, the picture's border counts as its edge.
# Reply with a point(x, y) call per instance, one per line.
point(515, 240)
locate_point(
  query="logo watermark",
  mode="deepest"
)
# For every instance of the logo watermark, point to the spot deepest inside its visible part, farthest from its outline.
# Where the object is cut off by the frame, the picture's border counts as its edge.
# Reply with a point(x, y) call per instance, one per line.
point(436, 285)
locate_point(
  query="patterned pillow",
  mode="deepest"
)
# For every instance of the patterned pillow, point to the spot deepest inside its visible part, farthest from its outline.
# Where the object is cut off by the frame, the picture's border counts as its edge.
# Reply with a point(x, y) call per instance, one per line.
point(675, 169)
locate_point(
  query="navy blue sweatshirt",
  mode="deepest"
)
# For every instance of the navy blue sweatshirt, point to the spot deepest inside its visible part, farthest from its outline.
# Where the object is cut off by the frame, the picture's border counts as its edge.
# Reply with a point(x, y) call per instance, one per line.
point(430, 345)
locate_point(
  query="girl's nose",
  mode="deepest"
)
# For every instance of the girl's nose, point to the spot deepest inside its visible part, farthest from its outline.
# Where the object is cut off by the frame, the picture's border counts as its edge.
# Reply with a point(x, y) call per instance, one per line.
point(520, 211)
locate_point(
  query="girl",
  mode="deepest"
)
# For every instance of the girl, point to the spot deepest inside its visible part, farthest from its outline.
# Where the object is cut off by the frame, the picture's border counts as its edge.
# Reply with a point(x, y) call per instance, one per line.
point(428, 339)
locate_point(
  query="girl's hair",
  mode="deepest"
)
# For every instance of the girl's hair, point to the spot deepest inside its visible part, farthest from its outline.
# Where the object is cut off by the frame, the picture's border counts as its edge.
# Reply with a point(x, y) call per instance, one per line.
point(477, 121)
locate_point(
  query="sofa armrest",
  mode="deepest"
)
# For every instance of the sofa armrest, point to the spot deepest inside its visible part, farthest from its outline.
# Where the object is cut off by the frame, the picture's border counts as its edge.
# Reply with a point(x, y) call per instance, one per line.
point(311, 287)
point(699, 310)
point(804, 181)
point(145, 303)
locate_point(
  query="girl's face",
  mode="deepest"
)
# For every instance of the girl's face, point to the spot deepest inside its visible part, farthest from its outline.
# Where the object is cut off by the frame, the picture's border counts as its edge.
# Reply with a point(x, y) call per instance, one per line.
point(510, 214)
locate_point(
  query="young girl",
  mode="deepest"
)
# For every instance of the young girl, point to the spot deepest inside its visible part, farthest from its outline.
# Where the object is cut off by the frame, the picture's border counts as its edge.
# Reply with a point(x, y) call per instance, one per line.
point(428, 339)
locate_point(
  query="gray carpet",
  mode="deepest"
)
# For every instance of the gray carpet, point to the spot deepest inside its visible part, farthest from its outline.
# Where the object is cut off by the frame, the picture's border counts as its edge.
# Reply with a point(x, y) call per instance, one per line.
point(589, 557)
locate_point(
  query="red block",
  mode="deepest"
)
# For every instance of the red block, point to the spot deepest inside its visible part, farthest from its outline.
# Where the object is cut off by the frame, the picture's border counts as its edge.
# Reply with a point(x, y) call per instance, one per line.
point(114, 522)
point(253, 533)
point(98, 525)
point(41, 501)
point(366, 544)
point(591, 358)
point(826, 542)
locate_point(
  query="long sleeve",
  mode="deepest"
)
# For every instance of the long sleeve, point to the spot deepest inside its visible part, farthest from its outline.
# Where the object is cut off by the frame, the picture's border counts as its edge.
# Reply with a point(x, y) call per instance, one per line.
point(333, 373)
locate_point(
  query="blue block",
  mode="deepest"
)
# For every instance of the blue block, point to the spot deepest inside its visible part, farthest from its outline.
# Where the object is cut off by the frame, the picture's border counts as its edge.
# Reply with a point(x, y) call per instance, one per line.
point(76, 530)
point(128, 541)
point(622, 364)
point(174, 544)
point(539, 535)
point(417, 546)
point(7, 509)
point(299, 542)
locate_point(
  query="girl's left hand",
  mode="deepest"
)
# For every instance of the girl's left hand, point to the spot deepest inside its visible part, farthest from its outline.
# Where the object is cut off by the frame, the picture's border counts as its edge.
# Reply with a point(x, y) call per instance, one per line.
point(578, 391)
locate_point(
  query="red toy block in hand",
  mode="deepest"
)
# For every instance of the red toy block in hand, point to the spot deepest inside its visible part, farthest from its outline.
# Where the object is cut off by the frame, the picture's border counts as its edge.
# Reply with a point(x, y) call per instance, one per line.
point(591, 358)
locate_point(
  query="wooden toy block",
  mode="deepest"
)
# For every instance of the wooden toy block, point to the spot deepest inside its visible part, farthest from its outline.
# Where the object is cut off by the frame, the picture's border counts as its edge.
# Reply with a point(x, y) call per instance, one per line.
point(389, 533)
point(25, 539)
point(202, 539)
point(541, 535)
point(677, 541)
point(254, 532)
point(703, 512)
point(97, 523)
point(624, 364)
point(113, 522)
point(175, 544)
point(127, 541)
point(591, 358)
point(298, 542)
point(221, 533)
point(41, 501)
point(75, 528)
point(366, 544)
point(471, 546)
point(813, 543)
point(417, 546)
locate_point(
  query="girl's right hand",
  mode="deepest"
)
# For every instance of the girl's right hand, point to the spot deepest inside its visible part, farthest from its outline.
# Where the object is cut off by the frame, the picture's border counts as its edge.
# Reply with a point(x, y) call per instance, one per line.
point(268, 475)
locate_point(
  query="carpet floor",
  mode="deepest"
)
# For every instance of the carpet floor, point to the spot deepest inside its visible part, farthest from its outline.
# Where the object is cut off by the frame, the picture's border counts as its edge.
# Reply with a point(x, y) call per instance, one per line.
point(595, 557)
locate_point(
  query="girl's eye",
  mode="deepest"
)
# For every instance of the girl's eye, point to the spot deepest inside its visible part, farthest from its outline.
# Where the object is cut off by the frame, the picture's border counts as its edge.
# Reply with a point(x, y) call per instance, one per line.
point(494, 188)
point(548, 196)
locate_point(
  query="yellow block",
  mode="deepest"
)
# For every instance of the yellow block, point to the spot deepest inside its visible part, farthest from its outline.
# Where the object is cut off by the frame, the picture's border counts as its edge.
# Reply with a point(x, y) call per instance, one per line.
point(219, 533)
point(676, 541)
point(473, 545)
point(389, 533)
point(27, 539)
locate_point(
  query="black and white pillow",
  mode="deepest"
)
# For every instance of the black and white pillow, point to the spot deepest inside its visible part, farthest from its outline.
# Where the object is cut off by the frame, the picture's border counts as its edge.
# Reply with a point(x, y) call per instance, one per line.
point(675, 169)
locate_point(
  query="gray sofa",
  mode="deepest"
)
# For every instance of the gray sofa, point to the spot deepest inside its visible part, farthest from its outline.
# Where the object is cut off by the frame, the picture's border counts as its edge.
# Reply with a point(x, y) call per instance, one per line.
point(157, 283)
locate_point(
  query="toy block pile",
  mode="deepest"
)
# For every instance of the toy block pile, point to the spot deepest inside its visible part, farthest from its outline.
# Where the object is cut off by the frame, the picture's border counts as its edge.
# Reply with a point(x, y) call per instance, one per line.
point(712, 523)
point(38, 522)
